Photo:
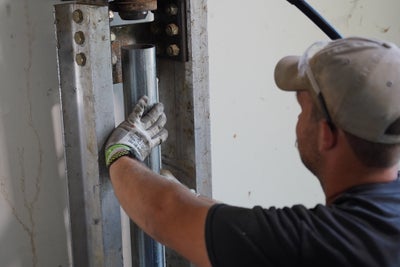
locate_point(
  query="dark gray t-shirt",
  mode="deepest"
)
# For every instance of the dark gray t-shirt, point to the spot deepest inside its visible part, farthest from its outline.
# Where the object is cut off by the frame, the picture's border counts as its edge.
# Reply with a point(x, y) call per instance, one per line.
point(361, 228)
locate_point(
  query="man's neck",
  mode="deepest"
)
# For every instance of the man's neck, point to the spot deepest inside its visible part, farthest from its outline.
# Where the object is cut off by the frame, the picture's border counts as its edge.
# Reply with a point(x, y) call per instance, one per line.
point(336, 182)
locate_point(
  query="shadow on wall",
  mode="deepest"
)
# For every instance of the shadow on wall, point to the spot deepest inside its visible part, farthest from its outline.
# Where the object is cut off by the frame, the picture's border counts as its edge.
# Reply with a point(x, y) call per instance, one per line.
point(32, 189)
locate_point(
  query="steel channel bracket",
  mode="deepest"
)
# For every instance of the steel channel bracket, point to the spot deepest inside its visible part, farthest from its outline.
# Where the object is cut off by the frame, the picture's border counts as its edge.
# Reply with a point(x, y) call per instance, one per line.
point(85, 76)
point(168, 32)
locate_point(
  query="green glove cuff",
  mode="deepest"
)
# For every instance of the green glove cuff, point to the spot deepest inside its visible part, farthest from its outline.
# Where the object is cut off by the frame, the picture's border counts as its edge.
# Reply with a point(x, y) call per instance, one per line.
point(116, 151)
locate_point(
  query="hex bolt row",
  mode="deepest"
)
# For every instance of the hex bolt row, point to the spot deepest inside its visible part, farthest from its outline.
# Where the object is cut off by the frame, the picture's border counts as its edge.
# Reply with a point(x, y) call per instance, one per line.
point(79, 37)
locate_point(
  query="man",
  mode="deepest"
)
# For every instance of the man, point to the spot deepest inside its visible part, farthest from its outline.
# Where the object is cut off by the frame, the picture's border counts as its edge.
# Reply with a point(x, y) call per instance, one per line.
point(348, 135)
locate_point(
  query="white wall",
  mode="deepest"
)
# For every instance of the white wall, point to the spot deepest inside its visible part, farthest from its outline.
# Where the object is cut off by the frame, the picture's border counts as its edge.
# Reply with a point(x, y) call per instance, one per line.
point(254, 158)
point(32, 186)
point(253, 142)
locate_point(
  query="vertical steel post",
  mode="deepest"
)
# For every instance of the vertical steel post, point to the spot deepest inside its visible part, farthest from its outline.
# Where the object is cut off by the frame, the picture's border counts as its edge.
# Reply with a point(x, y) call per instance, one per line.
point(140, 78)
point(84, 64)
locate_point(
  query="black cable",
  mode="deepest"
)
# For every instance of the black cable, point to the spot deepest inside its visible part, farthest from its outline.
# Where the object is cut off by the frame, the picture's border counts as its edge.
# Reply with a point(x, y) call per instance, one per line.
point(313, 15)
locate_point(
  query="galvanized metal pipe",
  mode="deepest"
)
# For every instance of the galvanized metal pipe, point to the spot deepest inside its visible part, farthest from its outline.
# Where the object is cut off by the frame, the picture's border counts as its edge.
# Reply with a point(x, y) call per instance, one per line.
point(140, 78)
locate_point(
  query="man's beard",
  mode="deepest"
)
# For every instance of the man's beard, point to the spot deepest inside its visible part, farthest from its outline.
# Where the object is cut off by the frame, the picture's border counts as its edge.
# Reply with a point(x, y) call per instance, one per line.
point(310, 157)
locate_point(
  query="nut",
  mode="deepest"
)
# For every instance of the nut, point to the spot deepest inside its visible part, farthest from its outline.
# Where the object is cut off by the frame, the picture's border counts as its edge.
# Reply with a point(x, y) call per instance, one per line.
point(77, 16)
point(172, 29)
point(173, 50)
point(80, 59)
point(79, 37)
point(171, 10)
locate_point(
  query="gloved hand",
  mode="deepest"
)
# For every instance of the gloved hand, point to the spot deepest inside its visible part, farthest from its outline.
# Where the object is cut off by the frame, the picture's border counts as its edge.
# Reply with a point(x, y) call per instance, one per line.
point(138, 134)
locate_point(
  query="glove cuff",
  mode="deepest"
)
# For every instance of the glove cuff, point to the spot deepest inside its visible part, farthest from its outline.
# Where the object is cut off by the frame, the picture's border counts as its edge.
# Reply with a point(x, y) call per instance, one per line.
point(116, 151)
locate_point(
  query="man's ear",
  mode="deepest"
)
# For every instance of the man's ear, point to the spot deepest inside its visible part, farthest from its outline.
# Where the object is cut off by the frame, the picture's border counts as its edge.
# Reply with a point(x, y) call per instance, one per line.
point(327, 136)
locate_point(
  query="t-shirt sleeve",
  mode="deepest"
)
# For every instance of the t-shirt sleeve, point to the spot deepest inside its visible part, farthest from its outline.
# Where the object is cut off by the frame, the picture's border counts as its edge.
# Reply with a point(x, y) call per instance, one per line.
point(238, 236)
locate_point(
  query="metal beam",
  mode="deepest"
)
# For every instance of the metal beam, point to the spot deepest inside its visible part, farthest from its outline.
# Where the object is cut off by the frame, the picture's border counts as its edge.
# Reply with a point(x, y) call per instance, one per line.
point(85, 73)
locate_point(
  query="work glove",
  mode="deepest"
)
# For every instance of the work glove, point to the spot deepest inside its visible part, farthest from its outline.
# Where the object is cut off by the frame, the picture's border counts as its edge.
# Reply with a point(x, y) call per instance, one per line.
point(138, 134)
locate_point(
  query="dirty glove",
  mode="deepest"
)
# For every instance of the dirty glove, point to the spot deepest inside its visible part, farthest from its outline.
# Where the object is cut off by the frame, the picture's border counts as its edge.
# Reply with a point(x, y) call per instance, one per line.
point(138, 134)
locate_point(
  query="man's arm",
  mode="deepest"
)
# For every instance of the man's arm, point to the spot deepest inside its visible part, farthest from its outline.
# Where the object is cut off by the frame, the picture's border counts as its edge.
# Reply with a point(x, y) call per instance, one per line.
point(166, 210)
point(161, 206)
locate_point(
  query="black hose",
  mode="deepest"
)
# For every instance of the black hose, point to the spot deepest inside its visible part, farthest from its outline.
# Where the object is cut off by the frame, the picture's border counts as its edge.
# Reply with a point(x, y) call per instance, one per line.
point(313, 15)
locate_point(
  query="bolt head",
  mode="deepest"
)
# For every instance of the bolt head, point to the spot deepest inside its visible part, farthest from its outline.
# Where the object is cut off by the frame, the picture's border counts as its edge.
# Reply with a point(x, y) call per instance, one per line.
point(172, 29)
point(80, 59)
point(77, 16)
point(79, 37)
point(171, 10)
point(173, 50)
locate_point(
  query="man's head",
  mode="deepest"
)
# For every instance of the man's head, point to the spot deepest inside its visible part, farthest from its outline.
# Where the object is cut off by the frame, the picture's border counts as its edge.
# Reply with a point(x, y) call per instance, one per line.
point(355, 83)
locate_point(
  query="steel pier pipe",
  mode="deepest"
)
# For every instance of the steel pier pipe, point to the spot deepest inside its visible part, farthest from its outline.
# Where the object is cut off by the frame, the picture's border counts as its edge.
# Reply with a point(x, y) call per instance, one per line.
point(139, 77)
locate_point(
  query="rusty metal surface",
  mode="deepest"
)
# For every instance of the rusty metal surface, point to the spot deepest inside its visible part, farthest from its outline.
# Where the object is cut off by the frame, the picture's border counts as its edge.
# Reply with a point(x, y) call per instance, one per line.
point(90, 2)
point(124, 36)
point(133, 5)
point(133, 9)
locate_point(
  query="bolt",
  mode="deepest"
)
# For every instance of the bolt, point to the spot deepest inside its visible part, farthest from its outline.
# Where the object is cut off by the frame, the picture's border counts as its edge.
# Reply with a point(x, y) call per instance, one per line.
point(80, 59)
point(171, 10)
point(173, 50)
point(79, 37)
point(172, 29)
point(77, 16)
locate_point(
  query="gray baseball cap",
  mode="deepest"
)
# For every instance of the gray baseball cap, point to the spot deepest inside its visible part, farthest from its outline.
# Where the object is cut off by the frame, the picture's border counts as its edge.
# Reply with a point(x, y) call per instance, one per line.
point(355, 80)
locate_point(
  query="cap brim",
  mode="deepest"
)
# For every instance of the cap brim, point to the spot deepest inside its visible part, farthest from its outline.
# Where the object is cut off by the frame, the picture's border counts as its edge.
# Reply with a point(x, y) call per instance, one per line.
point(287, 75)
